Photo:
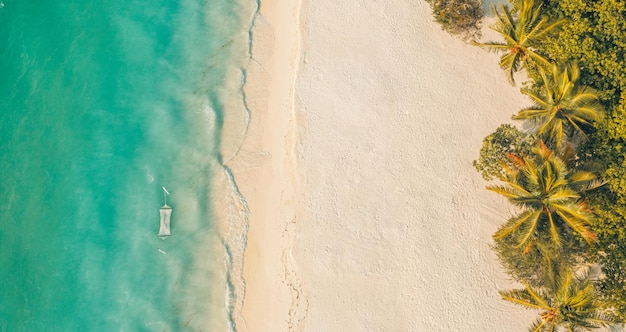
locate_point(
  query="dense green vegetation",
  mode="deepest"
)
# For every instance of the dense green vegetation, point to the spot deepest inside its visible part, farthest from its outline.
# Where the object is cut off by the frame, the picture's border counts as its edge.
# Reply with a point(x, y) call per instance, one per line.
point(566, 172)
point(595, 36)
point(459, 17)
point(570, 190)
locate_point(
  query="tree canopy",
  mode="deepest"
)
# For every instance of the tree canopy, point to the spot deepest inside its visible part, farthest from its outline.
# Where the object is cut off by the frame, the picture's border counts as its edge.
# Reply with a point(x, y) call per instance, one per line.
point(593, 36)
point(585, 96)
point(562, 106)
point(567, 300)
point(549, 196)
point(523, 31)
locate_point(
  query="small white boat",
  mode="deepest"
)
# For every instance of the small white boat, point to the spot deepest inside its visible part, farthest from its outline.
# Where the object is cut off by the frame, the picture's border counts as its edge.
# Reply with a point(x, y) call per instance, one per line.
point(166, 212)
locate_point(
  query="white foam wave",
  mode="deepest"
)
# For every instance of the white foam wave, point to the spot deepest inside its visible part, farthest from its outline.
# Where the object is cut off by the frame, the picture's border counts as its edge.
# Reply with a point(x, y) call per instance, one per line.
point(235, 242)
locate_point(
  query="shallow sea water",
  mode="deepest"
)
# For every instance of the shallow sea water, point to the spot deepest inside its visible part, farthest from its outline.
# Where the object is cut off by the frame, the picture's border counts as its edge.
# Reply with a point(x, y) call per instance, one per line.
point(102, 103)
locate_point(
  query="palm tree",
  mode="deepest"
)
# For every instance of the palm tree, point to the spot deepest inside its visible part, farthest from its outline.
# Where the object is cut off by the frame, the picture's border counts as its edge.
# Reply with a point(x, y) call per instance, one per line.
point(549, 195)
point(521, 36)
point(562, 105)
point(567, 301)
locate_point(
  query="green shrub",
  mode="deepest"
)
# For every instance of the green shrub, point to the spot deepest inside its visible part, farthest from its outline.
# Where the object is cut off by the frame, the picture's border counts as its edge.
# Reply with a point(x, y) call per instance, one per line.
point(459, 17)
point(506, 140)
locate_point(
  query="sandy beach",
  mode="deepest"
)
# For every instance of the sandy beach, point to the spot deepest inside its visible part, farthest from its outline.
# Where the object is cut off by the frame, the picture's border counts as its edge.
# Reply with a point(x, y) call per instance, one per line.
point(365, 211)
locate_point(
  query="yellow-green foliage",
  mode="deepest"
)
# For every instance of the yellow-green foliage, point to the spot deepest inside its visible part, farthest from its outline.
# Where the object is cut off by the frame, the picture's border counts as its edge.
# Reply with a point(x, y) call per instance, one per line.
point(609, 148)
point(506, 140)
point(458, 17)
point(595, 37)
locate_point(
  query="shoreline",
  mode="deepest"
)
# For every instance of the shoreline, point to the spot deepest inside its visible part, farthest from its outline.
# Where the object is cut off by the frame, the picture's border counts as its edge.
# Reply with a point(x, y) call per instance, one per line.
point(265, 169)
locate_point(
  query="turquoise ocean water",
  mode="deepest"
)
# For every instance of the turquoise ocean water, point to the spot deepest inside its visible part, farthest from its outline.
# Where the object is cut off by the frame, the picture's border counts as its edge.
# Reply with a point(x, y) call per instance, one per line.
point(101, 103)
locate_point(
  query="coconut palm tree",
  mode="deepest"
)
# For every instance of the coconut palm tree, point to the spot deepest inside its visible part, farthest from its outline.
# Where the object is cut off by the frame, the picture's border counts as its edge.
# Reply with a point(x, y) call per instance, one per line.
point(562, 105)
point(522, 35)
point(568, 302)
point(549, 196)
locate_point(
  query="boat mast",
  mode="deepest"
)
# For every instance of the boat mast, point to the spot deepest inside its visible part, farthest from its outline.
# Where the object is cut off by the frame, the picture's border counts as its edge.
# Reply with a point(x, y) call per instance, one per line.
point(165, 193)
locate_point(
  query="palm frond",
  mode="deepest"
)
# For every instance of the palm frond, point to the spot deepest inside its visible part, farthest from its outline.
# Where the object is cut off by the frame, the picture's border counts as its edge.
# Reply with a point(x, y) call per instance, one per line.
point(539, 59)
point(594, 184)
point(562, 195)
point(527, 229)
point(523, 298)
point(554, 232)
point(492, 46)
point(590, 112)
point(515, 223)
point(579, 178)
point(585, 96)
point(510, 62)
point(541, 102)
point(511, 191)
point(538, 299)
point(530, 113)
point(550, 28)
point(537, 326)
point(577, 220)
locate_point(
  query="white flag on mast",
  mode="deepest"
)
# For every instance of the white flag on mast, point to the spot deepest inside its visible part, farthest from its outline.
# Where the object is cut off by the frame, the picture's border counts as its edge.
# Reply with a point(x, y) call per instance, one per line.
point(165, 190)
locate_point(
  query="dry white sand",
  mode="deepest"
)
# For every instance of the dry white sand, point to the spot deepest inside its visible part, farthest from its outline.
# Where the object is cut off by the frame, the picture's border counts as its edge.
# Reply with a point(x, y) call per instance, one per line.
point(366, 214)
